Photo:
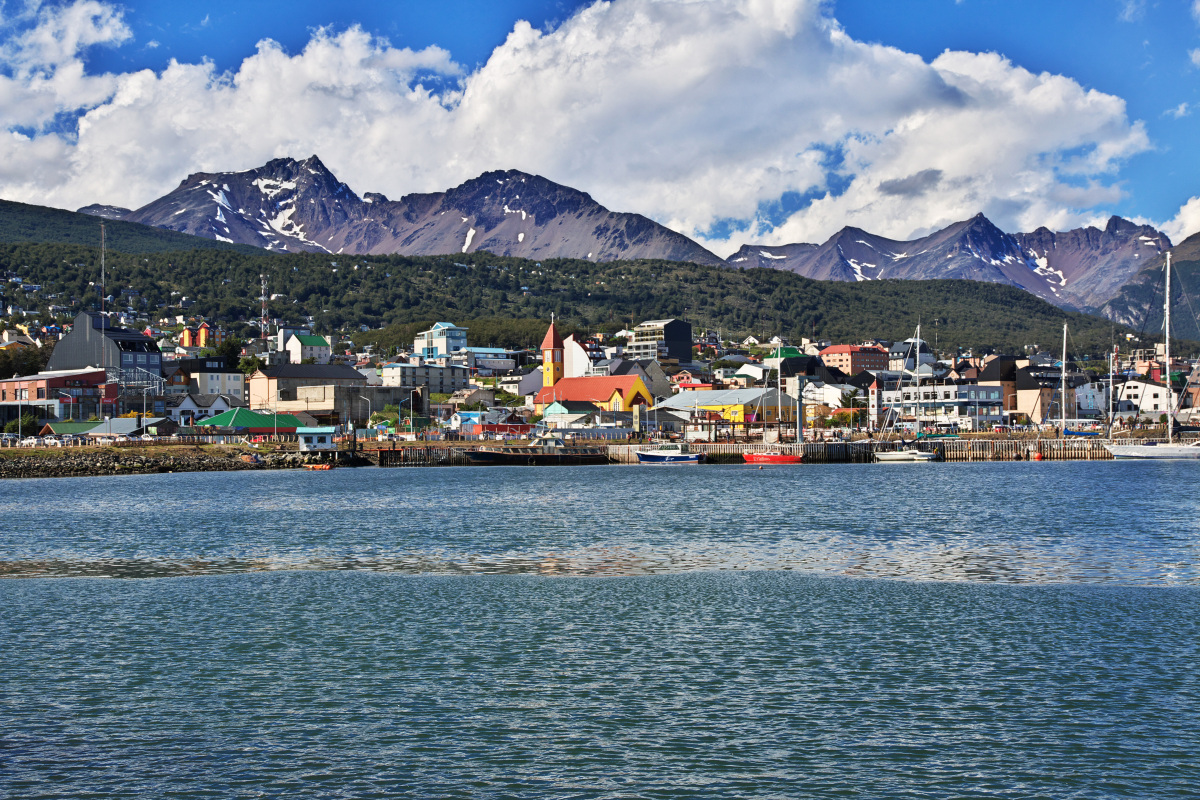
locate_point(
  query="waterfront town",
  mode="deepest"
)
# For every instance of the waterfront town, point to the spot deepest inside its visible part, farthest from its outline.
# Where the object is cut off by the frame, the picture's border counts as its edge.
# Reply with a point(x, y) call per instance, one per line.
point(108, 380)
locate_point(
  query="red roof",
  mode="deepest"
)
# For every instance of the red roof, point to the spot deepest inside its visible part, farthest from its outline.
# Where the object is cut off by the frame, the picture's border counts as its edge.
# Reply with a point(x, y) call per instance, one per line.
point(552, 341)
point(595, 389)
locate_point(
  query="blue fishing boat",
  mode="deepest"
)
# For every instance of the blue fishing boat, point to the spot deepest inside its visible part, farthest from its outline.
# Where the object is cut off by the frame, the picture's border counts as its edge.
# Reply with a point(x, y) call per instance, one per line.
point(669, 453)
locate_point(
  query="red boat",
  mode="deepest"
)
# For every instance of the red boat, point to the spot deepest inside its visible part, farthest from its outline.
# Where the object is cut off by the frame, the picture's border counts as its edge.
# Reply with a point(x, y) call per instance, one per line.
point(773, 457)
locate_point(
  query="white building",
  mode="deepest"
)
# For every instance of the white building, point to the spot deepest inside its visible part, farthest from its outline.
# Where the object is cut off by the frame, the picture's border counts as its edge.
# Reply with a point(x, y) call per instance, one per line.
point(303, 346)
point(443, 339)
point(1146, 398)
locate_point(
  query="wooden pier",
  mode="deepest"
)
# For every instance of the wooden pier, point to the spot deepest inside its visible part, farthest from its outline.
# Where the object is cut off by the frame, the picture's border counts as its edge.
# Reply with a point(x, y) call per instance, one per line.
point(438, 455)
point(1023, 450)
point(445, 454)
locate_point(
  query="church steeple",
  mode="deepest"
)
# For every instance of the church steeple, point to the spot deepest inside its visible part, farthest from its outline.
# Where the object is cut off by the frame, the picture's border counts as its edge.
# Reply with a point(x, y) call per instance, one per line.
point(552, 356)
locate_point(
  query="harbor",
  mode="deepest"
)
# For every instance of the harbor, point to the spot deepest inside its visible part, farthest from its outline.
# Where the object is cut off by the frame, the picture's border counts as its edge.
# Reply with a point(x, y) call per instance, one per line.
point(393, 454)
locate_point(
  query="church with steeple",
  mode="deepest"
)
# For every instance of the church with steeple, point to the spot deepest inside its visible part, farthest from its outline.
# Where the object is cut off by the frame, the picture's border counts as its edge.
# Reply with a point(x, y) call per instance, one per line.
point(608, 392)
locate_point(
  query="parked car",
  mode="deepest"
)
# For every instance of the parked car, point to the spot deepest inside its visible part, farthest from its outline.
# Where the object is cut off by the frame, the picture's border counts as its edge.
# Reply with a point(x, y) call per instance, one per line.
point(31, 441)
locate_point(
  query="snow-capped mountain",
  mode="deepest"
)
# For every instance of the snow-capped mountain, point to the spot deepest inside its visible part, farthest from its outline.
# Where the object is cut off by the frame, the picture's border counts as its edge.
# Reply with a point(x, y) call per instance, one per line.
point(1091, 265)
point(1077, 269)
point(300, 206)
point(297, 206)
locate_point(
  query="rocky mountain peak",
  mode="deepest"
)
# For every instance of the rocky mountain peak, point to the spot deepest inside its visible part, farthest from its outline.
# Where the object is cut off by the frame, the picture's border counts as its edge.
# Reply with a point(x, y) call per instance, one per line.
point(300, 205)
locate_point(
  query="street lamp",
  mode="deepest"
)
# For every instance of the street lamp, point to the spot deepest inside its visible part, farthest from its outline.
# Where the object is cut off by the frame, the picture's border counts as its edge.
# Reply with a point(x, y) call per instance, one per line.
point(18, 391)
point(70, 401)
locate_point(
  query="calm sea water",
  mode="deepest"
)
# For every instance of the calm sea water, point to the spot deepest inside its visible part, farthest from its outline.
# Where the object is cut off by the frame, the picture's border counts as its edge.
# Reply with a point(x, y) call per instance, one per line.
point(954, 630)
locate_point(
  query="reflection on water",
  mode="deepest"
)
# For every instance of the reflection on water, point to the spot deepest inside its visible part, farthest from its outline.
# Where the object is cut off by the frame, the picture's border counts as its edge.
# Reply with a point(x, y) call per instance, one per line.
point(1002, 566)
point(1003, 523)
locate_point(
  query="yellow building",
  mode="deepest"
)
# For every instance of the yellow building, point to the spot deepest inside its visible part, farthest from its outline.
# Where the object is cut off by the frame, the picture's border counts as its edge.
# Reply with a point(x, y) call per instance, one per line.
point(739, 407)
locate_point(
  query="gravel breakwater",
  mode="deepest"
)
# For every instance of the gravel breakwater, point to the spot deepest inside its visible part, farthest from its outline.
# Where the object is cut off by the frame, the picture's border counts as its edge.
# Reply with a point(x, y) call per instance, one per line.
point(130, 461)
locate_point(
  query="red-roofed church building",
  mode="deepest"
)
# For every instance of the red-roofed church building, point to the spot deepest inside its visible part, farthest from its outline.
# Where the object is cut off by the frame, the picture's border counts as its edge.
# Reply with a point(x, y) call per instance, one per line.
point(610, 392)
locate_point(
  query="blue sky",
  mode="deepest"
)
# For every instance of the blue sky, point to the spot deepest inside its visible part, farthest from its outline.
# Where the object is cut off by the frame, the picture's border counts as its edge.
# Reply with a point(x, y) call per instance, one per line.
point(769, 121)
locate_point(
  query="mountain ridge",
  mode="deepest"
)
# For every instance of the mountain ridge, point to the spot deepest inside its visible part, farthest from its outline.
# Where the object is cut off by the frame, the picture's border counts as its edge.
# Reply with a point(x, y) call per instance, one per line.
point(300, 206)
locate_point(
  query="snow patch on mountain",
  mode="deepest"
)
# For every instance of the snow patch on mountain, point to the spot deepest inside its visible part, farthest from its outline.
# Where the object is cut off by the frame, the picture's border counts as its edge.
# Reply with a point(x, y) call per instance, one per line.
point(271, 187)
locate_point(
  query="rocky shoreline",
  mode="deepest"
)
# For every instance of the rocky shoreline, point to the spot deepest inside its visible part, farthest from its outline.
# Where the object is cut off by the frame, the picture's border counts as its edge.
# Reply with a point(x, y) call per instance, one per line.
point(128, 461)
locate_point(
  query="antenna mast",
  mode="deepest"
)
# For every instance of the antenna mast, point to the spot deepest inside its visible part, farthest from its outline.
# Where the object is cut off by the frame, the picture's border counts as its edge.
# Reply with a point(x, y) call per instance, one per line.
point(263, 320)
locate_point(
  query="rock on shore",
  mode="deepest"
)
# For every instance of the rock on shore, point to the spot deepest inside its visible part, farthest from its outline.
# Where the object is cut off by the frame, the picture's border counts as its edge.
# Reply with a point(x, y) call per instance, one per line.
point(127, 461)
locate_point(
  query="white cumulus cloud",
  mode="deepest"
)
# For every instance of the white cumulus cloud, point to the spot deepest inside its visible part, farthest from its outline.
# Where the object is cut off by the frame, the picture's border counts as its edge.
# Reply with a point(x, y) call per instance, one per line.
point(690, 112)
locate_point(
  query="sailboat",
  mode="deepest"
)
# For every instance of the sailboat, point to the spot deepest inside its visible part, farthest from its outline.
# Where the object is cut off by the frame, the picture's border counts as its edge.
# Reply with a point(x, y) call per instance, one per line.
point(1153, 449)
point(776, 454)
point(911, 453)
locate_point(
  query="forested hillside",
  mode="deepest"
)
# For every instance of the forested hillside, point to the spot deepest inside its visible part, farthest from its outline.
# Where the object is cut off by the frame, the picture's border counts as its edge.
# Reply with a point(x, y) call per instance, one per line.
point(20, 222)
point(488, 293)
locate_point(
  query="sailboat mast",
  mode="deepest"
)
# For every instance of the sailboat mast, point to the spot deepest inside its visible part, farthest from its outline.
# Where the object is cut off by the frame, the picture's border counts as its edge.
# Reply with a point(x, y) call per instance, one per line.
point(917, 379)
point(1112, 367)
point(1167, 353)
point(1062, 385)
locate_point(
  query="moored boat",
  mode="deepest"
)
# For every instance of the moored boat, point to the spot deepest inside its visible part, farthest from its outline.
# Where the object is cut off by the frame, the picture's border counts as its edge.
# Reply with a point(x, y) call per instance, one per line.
point(907, 454)
point(669, 453)
point(1154, 450)
point(772, 457)
point(547, 449)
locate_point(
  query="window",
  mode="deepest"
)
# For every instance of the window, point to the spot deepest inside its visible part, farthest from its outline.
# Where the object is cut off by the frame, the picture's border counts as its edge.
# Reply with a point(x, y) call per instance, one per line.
point(41, 393)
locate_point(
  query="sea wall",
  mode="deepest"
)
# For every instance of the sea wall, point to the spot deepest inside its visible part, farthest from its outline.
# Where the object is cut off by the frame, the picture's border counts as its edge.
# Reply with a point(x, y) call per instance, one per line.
point(122, 461)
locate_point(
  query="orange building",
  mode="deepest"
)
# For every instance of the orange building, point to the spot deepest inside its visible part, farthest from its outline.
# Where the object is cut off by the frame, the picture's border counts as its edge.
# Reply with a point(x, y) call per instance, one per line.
point(201, 336)
point(854, 358)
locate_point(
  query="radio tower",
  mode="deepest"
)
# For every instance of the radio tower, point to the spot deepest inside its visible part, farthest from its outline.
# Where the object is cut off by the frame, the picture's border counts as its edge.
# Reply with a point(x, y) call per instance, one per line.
point(263, 322)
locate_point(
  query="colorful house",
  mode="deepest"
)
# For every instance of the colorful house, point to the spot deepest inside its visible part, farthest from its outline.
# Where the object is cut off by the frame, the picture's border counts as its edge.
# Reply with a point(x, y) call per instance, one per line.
point(201, 336)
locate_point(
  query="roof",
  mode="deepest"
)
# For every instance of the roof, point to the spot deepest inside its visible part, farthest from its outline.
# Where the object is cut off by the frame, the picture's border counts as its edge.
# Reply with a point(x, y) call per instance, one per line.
point(1003, 368)
point(308, 340)
point(70, 428)
point(245, 418)
point(593, 389)
point(124, 425)
point(314, 371)
point(577, 406)
point(723, 397)
point(552, 341)
point(204, 400)
point(852, 348)
point(485, 351)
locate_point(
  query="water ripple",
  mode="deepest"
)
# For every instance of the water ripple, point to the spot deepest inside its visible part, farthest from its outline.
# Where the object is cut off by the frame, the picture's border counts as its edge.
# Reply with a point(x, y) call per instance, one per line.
point(1088, 522)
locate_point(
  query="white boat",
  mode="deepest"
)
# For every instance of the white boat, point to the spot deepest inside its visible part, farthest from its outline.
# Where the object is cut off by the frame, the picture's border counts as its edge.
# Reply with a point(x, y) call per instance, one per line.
point(669, 453)
point(908, 454)
point(1153, 449)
